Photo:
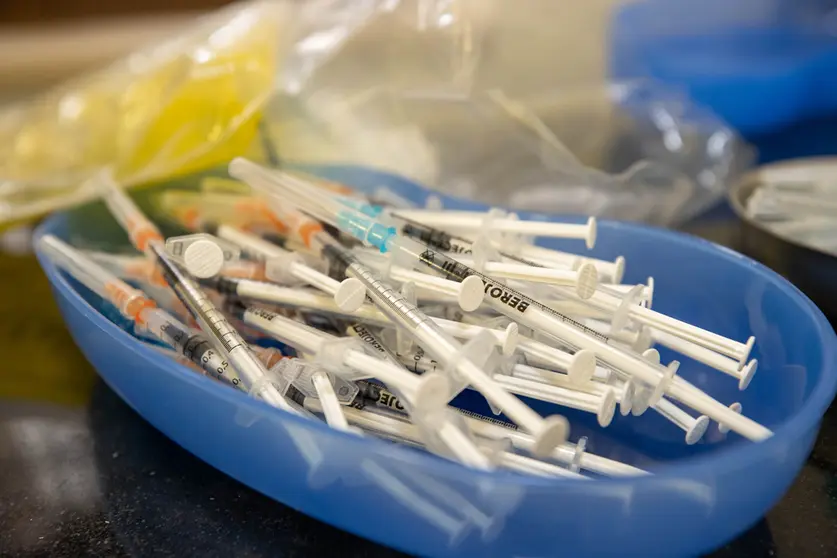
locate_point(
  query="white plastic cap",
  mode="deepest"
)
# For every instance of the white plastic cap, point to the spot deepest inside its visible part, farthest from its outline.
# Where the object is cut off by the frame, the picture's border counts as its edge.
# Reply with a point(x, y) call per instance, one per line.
point(471, 293)
point(350, 295)
point(203, 259)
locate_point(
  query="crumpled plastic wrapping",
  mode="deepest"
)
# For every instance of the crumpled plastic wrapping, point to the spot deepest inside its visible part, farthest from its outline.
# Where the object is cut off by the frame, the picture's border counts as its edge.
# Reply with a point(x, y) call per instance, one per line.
point(456, 94)
point(188, 103)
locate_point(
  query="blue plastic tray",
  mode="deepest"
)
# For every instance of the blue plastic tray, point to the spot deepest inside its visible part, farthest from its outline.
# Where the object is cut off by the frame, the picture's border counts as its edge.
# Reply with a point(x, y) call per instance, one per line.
point(700, 496)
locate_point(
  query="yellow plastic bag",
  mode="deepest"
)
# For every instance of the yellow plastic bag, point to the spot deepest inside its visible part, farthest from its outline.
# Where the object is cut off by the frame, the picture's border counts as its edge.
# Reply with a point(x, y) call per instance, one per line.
point(188, 104)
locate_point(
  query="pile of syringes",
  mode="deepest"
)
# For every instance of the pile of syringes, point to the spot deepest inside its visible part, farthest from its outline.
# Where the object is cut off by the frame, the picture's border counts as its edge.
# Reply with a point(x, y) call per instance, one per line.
point(381, 313)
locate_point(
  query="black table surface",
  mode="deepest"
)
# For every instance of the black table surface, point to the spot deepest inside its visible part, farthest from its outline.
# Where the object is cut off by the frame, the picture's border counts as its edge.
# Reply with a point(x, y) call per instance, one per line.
point(81, 474)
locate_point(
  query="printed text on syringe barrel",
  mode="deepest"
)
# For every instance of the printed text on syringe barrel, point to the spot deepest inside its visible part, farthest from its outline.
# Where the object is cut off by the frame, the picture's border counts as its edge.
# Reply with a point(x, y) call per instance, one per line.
point(200, 351)
point(447, 242)
point(510, 297)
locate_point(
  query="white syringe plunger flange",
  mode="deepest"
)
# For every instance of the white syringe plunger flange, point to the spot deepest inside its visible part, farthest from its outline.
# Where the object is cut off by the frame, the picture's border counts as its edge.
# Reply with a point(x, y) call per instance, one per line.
point(471, 293)
point(509, 338)
point(745, 354)
point(607, 408)
point(698, 429)
point(553, 433)
point(350, 295)
point(627, 401)
point(590, 239)
point(747, 373)
point(587, 280)
point(582, 366)
point(578, 453)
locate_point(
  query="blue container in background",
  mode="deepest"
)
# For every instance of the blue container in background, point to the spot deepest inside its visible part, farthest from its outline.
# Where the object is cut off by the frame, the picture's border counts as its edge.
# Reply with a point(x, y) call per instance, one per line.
point(758, 64)
point(699, 497)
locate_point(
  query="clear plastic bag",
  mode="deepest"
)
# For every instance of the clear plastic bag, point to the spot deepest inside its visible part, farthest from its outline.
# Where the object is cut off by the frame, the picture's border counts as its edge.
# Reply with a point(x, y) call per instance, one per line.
point(185, 104)
point(500, 130)
point(631, 151)
point(473, 97)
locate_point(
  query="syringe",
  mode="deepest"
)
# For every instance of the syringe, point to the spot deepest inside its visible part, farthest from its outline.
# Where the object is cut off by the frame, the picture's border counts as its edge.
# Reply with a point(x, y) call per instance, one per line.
point(139, 268)
point(134, 305)
point(147, 238)
point(398, 429)
point(447, 242)
point(492, 428)
point(548, 432)
point(281, 265)
point(192, 209)
point(141, 231)
point(591, 397)
point(224, 336)
point(470, 222)
point(529, 312)
point(311, 300)
point(509, 302)
point(346, 357)
point(143, 234)
point(342, 356)
point(426, 332)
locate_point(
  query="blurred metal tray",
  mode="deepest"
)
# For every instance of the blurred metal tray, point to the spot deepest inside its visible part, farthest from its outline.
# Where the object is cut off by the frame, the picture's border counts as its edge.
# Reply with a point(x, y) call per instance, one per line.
point(813, 271)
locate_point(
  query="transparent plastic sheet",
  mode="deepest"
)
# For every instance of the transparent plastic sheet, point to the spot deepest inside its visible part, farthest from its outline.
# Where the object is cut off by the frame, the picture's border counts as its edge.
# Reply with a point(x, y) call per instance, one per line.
point(632, 151)
point(504, 131)
point(456, 94)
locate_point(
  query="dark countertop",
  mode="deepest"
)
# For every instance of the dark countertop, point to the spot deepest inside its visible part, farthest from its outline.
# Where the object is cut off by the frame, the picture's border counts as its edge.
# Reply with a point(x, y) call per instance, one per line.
point(81, 474)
